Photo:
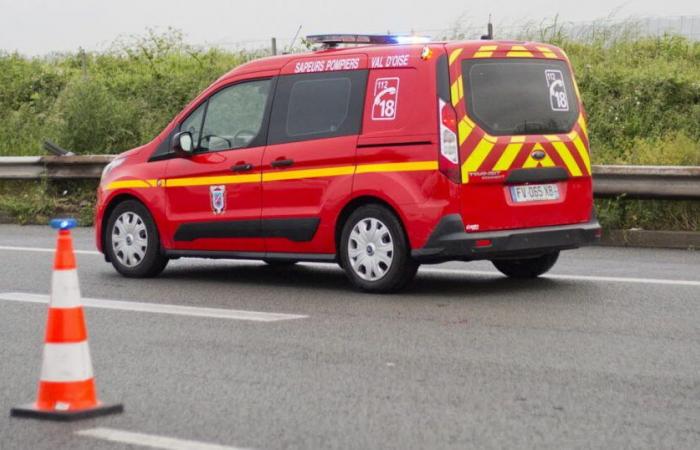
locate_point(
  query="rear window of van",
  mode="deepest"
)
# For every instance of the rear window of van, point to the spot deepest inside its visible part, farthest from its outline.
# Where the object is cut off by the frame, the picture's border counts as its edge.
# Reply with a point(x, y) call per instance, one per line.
point(520, 96)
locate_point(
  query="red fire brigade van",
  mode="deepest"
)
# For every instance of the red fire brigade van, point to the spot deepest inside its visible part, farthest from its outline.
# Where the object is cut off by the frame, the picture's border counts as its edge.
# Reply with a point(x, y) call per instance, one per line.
point(379, 157)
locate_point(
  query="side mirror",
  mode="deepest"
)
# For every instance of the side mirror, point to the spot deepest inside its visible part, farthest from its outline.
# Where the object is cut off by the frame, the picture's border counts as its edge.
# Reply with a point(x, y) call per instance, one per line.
point(183, 143)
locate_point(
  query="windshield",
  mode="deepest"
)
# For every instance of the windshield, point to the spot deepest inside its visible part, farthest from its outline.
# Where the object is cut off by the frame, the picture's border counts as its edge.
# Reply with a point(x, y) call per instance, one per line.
point(520, 96)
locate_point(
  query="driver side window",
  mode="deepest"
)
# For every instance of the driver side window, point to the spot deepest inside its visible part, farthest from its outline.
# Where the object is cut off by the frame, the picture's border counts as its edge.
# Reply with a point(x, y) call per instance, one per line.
point(234, 116)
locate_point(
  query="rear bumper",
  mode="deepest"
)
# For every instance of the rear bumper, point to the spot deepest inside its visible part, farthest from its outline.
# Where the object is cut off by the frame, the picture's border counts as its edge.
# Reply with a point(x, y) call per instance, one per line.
point(449, 241)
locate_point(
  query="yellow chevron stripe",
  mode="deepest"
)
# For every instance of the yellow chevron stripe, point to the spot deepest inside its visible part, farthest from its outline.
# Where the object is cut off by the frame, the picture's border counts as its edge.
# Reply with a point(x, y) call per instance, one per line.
point(583, 153)
point(547, 52)
point(518, 51)
point(131, 184)
point(483, 54)
point(531, 162)
point(488, 48)
point(454, 55)
point(565, 155)
point(583, 125)
point(203, 181)
point(510, 153)
point(465, 128)
point(457, 91)
point(411, 166)
point(477, 157)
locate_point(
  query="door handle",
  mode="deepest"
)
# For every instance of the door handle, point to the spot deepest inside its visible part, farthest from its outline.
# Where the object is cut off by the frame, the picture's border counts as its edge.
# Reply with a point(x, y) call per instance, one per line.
point(242, 167)
point(282, 163)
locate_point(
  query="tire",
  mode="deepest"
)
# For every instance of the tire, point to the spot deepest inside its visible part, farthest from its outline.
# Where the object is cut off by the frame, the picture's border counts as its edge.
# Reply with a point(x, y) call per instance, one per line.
point(280, 262)
point(128, 257)
point(527, 267)
point(371, 236)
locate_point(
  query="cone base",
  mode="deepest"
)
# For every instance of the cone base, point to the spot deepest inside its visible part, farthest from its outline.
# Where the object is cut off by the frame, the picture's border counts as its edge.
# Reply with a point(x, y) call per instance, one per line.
point(31, 411)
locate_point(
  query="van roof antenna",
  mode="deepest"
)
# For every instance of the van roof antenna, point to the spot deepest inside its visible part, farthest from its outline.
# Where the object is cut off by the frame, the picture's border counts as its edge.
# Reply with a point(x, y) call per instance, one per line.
point(489, 33)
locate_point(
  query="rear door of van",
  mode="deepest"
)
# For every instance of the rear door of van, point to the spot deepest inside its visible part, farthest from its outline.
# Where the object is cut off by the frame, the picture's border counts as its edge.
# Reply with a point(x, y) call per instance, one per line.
point(523, 143)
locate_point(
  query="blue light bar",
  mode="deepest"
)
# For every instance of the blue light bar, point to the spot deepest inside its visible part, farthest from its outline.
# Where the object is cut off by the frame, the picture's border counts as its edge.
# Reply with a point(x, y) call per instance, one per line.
point(357, 39)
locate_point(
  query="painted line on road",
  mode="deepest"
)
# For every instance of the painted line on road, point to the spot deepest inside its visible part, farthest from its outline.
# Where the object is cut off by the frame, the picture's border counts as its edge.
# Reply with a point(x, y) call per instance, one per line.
point(493, 273)
point(573, 277)
point(46, 250)
point(452, 271)
point(149, 440)
point(177, 310)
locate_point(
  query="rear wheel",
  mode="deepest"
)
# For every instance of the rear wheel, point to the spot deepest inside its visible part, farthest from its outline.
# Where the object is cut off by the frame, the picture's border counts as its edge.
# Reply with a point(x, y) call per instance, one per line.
point(132, 242)
point(526, 267)
point(374, 250)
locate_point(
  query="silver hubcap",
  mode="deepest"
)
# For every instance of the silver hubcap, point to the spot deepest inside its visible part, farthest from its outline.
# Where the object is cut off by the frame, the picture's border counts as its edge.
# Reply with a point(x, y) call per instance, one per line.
point(371, 249)
point(129, 239)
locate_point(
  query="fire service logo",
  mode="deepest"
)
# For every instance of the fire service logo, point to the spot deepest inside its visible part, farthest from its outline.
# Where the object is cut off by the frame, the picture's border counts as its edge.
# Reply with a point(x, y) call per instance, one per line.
point(218, 198)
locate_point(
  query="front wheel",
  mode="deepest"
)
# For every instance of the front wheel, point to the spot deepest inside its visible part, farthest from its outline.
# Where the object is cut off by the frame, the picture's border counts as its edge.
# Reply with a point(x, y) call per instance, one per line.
point(132, 242)
point(526, 267)
point(374, 251)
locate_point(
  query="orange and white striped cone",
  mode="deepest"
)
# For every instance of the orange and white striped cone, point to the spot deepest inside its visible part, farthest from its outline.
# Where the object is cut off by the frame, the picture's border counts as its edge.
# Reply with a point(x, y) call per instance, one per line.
point(67, 386)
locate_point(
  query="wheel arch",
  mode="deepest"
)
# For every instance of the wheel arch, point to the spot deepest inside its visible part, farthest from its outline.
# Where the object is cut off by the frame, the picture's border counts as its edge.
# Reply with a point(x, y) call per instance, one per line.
point(113, 203)
point(358, 202)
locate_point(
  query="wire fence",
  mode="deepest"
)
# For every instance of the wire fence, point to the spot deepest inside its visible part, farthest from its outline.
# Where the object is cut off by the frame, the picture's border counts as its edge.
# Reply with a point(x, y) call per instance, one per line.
point(465, 28)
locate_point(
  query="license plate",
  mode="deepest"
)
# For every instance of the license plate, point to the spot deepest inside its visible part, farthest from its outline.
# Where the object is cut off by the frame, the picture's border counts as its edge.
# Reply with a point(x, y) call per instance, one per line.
point(534, 193)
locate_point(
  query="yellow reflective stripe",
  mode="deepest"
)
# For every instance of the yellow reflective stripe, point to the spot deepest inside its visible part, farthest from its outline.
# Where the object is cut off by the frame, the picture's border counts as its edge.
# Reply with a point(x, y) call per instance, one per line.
point(485, 51)
point(565, 155)
point(465, 128)
point(531, 162)
point(454, 55)
point(583, 125)
point(518, 51)
point(547, 52)
point(412, 166)
point(457, 91)
point(477, 157)
point(583, 153)
point(510, 153)
point(131, 184)
point(203, 181)
point(308, 173)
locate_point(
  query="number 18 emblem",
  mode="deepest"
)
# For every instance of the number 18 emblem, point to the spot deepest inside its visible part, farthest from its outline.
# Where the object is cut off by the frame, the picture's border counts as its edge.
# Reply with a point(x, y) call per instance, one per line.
point(386, 98)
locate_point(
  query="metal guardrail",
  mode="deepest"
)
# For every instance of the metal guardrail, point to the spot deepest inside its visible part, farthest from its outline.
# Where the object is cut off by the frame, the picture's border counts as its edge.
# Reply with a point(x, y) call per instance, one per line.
point(639, 182)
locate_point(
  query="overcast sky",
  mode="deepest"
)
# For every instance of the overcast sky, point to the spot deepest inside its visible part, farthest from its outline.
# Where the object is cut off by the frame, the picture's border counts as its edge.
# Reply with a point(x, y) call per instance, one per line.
point(41, 26)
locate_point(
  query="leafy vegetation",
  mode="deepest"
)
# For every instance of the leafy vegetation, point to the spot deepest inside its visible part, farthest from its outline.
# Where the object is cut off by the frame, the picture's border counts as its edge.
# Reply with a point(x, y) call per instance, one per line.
point(642, 95)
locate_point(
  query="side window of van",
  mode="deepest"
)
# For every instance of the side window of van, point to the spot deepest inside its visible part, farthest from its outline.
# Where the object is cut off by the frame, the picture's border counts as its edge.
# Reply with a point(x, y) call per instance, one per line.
point(193, 123)
point(316, 106)
point(232, 118)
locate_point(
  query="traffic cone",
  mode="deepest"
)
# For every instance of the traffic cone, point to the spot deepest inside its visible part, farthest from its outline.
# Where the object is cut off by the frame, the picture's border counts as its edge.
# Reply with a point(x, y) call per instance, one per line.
point(66, 386)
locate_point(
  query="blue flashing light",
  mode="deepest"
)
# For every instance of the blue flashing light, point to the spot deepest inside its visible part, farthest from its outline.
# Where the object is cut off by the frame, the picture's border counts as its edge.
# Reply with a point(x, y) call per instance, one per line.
point(332, 40)
point(63, 224)
point(412, 39)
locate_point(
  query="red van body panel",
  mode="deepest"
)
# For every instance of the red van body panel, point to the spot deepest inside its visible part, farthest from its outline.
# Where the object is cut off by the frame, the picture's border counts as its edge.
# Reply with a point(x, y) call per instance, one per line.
point(292, 198)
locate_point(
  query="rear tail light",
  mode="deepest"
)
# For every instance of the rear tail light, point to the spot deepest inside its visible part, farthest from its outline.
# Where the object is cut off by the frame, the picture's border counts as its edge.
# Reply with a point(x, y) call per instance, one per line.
point(449, 145)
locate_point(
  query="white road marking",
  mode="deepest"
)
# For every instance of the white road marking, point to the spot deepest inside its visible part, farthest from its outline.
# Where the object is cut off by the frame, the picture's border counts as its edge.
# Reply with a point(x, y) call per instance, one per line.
point(46, 250)
point(178, 310)
point(149, 440)
point(493, 273)
point(452, 271)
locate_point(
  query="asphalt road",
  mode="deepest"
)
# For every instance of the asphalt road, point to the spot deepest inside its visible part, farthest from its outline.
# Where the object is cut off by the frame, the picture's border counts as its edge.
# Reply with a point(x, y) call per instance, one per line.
point(606, 354)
